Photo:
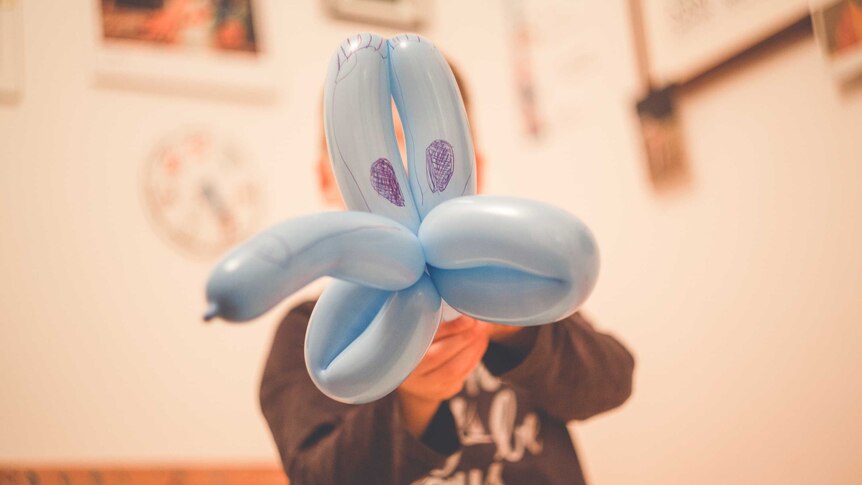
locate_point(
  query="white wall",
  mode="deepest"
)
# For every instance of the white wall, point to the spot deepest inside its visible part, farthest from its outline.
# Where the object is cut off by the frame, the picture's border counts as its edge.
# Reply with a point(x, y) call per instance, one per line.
point(739, 294)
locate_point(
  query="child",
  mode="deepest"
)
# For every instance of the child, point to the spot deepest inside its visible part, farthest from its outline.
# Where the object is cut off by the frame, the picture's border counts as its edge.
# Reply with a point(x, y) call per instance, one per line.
point(487, 404)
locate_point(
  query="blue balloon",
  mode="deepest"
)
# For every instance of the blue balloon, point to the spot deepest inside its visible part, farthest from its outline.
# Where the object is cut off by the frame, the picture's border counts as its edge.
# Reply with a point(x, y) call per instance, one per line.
point(441, 162)
point(362, 343)
point(354, 246)
point(413, 246)
point(357, 117)
point(509, 260)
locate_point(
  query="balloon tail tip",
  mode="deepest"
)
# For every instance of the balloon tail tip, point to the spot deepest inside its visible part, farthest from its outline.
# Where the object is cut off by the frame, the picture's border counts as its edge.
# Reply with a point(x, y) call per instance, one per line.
point(212, 312)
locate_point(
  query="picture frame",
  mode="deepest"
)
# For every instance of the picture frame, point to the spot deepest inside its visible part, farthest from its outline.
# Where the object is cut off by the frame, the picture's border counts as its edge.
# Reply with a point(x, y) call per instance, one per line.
point(200, 47)
point(409, 14)
point(838, 29)
point(679, 44)
point(685, 38)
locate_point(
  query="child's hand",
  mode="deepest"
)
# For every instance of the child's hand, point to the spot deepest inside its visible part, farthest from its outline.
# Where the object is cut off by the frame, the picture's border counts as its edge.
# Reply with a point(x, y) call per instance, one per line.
point(457, 349)
point(500, 333)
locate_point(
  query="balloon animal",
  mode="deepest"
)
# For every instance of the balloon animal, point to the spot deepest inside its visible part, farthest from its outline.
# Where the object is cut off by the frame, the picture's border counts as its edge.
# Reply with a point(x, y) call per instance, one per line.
point(409, 241)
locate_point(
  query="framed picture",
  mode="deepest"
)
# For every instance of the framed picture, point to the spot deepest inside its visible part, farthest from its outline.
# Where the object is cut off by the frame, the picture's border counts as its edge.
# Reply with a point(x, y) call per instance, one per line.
point(663, 140)
point(201, 192)
point(838, 27)
point(685, 38)
point(679, 43)
point(11, 49)
point(202, 46)
point(394, 13)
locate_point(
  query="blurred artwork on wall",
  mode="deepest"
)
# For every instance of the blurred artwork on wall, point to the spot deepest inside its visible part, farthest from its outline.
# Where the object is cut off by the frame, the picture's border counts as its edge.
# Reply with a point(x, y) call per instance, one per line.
point(558, 65)
point(521, 42)
point(201, 193)
point(688, 37)
point(838, 27)
point(404, 14)
point(664, 143)
point(225, 25)
point(202, 46)
point(680, 45)
point(11, 50)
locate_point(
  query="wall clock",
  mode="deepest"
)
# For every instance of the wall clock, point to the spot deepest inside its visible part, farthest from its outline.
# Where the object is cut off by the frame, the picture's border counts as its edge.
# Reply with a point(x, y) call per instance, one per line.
point(201, 194)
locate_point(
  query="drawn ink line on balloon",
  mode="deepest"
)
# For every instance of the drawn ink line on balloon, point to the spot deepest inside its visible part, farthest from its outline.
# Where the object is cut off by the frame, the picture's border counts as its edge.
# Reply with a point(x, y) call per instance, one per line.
point(266, 252)
point(382, 174)
point(439, 164)
point(384, 182)
point(404, 38)
point(335, 109)
point(438, 174)
point(344, 162)
point(354, 49)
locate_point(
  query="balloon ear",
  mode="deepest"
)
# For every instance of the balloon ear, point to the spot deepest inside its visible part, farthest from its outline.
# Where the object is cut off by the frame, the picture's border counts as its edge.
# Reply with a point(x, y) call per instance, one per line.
point(508, 260)
point(357, 108)
point(362, 343)
point(440, 158)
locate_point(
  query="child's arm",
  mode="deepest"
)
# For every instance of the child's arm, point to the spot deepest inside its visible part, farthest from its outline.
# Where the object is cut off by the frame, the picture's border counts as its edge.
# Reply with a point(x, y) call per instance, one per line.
point(571, 370)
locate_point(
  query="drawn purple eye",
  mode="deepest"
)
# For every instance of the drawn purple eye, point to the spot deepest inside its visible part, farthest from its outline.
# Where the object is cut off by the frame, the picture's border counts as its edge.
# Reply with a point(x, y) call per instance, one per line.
point(440, 164)
point(384, 182)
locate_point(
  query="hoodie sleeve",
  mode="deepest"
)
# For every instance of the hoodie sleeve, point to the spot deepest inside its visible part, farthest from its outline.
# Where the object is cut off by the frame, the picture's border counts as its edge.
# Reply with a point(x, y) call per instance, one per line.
point(572, 371)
